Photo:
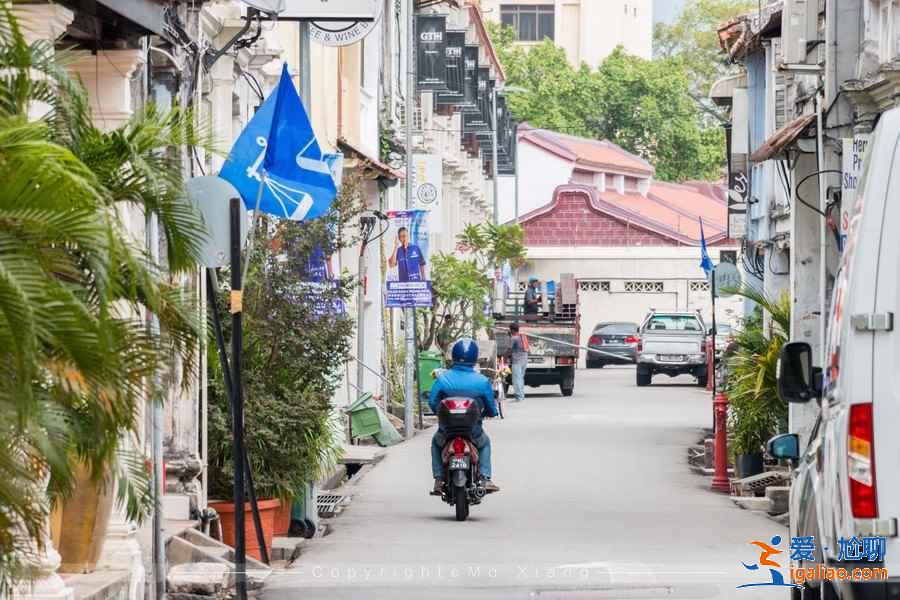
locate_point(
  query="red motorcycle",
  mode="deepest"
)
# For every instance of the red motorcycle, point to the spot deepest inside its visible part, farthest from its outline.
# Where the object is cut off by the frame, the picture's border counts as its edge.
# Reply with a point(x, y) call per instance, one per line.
point(462, 485)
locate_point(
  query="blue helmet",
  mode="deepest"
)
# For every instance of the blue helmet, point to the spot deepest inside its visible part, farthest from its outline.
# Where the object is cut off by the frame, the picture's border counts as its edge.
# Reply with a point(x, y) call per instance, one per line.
point(465, 352)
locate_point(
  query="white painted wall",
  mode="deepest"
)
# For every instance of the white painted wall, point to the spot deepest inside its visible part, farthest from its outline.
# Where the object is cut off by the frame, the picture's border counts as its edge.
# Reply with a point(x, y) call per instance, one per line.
point(540, 173)
point(589, 30)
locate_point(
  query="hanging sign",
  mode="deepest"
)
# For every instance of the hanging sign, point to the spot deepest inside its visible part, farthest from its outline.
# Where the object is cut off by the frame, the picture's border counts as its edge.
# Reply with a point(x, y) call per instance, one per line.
point(337, 22)
point(470, 79)
point(852, 158)
point(426, 179)
point(407, 284)
point(454, 63)
point(431, 66)
point(727, 278)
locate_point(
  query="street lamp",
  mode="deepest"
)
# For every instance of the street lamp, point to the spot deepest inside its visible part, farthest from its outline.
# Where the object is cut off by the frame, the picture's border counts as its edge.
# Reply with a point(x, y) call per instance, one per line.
point(494, 171)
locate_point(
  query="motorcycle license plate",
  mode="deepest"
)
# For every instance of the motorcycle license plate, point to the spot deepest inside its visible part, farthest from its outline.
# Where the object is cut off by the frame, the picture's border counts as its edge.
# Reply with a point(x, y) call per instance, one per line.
point(459, 462)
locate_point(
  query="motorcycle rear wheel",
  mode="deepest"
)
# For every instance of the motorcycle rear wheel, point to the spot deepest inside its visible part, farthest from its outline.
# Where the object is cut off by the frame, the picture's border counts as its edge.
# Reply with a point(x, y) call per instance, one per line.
point(461, 501)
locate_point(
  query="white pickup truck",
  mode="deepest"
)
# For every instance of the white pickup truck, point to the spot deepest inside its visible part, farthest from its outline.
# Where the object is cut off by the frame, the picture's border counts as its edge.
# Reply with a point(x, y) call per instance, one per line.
point(672, 343)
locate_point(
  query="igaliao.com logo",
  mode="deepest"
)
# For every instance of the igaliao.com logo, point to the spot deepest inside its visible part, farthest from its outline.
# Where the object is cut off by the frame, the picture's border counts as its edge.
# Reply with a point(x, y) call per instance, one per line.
point(856, 549)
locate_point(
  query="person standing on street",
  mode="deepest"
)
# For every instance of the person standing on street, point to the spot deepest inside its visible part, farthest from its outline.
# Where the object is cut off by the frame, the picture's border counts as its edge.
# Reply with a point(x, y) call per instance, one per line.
point(518, 360)
point(532, 297)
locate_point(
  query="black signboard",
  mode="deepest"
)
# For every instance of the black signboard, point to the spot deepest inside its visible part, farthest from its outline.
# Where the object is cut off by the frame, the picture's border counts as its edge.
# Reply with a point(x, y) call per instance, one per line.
point(478, 121)
point(431, 67)
point(455, 65)
point(470, 79)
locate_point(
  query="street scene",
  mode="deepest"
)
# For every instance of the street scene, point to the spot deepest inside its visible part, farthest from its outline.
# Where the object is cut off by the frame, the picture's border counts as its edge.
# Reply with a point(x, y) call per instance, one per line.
point(597, 501)
point(426, 299)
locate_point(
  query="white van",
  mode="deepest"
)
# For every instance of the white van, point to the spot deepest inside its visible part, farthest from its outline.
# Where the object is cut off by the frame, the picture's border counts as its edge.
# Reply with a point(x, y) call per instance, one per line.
point(847, 481)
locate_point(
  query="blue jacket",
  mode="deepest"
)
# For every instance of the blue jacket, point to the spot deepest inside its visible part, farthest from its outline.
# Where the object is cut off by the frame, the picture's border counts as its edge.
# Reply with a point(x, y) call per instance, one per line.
point(463, 381)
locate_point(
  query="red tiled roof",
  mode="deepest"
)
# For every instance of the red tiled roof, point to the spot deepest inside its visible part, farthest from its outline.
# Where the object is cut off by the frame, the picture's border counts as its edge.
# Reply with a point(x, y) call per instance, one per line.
point(595, 154)
point(671, 210)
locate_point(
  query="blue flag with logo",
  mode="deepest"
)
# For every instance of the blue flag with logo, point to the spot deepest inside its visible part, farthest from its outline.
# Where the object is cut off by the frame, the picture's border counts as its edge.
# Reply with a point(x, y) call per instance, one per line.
point(278, 150)
point(706, 262)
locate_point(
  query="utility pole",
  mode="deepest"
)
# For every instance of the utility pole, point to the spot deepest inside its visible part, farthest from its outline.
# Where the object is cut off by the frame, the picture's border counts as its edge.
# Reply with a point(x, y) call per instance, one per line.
point(305, 69)
point(156, 432)
point(494, 155)
point(409, 371)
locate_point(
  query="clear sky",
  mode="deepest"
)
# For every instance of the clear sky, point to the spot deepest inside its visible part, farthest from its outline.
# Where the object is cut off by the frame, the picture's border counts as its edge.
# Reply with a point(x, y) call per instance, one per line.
point(666, 10)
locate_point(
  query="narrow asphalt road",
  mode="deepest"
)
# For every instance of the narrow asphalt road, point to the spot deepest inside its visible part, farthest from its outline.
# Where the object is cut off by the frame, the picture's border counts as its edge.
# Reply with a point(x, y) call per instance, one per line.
point(597, 501)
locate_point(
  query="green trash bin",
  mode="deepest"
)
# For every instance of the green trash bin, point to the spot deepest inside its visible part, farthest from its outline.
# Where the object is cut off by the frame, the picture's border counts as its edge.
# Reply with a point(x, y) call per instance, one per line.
point(364, 417)
point(429, 360)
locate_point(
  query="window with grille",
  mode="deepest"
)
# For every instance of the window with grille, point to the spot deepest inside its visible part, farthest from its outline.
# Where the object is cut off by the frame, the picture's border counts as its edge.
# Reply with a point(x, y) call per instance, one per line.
point(593, 286)
point(532, 22)
point(699, 286)
point(645, 287)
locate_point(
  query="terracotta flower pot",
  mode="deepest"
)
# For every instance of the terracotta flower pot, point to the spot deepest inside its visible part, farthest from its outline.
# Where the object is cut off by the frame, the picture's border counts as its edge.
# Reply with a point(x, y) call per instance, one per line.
point(283, 518)
point(83, 517)
point(267, 510)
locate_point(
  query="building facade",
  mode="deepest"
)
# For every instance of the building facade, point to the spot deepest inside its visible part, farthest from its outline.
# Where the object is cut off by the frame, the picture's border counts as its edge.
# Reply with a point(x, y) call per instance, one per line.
point(207, 56)
point(588, 30)
point(592, 209)
point(817, 76)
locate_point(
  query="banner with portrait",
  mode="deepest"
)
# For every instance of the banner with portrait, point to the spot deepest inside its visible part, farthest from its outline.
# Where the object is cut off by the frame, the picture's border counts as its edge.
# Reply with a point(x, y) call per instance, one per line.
point(408, 284)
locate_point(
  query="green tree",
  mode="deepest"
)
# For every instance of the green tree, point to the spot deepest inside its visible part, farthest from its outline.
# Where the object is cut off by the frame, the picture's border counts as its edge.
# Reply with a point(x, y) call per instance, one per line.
point(692, 39)
point(644, 106)
point(76, 357)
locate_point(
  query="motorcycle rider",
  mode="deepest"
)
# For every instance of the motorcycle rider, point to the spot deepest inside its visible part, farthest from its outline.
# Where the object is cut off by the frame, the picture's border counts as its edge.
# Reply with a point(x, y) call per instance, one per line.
point(461, 380)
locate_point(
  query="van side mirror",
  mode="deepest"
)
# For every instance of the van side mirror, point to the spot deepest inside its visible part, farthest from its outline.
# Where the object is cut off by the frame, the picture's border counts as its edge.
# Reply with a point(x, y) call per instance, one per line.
point(786, 445)
point(796, 375)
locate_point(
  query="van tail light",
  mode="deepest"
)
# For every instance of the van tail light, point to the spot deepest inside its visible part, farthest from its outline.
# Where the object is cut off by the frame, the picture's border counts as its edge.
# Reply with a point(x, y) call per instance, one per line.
point(861, 462)
point(703, 347)
point(640, 345)
point(632, 339)
point(595, 340)
point(459, 447)
point(565, 360)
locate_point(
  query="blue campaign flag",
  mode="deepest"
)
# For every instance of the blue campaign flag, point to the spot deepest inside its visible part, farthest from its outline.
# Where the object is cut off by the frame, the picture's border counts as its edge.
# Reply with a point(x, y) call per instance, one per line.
point(706, 262)
point(278, 148)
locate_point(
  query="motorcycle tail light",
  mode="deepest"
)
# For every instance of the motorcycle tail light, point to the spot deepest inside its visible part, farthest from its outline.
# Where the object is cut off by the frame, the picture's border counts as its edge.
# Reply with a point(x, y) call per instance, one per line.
point(861, 462)
point(459, 447)
point(458, 405)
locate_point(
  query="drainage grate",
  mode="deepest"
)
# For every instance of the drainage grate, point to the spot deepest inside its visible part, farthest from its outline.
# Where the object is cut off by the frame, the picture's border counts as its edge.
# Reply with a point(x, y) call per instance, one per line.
point(327, 504)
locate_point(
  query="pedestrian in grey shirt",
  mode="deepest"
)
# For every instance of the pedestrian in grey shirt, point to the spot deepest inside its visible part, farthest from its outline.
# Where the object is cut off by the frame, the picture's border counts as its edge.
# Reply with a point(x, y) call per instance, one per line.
point(518, 360)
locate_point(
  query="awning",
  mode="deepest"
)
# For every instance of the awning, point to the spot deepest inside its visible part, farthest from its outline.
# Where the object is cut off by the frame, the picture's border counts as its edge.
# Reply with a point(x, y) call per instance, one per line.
point(722, 91)
point(369, 163)
point(783, 138)
point(122, 17)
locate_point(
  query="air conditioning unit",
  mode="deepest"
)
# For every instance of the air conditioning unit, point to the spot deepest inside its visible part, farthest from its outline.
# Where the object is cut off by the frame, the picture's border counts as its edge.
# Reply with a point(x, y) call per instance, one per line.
point(799, 25)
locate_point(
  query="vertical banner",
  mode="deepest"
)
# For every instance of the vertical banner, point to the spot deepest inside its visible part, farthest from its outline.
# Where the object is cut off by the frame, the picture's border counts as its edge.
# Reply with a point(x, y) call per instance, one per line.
point(852, 167)
point(431, 67)
point(477, 121)
point(470, 79)
point(426, 178)
point(407, 284)
point(455, 65)
point(737, 147)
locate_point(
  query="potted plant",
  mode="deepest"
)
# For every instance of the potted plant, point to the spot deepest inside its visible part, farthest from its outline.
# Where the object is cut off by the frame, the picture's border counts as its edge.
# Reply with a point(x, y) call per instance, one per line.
point(756, 413)
point(295, 337)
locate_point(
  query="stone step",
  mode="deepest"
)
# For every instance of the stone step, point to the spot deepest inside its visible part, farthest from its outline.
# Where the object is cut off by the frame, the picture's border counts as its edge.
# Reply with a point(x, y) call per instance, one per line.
point(102, 584)
point(779, 497)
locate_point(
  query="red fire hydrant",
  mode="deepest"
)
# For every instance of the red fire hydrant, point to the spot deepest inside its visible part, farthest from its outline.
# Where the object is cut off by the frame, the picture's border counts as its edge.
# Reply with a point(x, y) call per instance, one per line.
point(720, 454)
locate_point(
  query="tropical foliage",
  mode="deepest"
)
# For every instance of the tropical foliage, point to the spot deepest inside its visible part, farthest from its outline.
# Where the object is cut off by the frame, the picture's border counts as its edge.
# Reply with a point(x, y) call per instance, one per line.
point(296, 340)
point(76, 358)
point(692, 40)
point(462, 286)
point(644, 106)
point(756, 412)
